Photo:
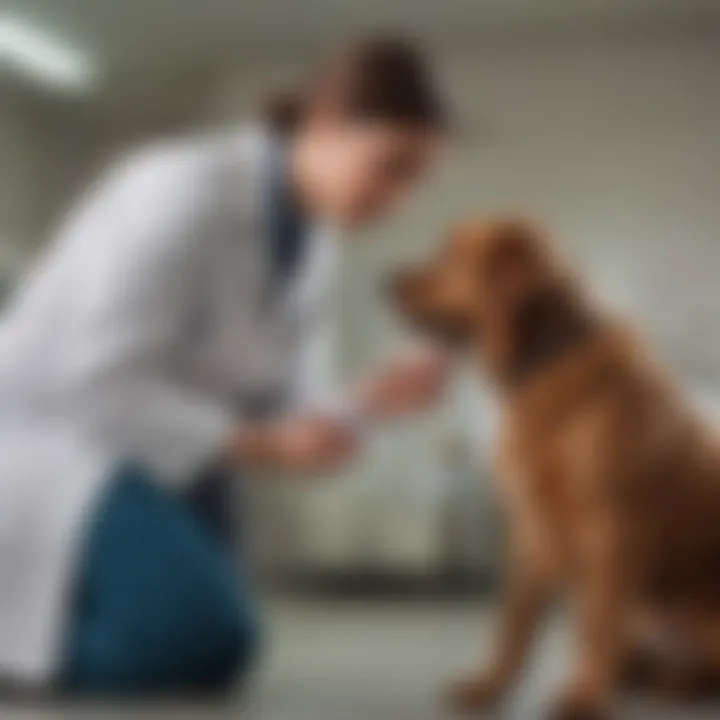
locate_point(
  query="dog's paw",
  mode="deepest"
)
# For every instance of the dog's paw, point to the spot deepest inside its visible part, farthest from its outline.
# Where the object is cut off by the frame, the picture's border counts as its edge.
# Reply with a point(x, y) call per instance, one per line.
point(579, 706)
point(475, 693)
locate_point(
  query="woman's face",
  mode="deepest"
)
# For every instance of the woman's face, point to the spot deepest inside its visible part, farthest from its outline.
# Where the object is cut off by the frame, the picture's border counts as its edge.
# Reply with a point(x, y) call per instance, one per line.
point(363, 170)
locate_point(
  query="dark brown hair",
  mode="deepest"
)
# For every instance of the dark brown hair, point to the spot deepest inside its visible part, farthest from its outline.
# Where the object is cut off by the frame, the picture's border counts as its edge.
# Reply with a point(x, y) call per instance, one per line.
point(386, 79)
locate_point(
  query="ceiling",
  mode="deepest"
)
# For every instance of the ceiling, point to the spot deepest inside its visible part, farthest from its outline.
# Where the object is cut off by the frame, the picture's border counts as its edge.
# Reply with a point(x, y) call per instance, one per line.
point(130, 38)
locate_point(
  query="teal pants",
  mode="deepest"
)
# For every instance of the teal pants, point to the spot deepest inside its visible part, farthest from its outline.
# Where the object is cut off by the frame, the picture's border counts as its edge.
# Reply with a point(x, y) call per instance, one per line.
point(160, 606)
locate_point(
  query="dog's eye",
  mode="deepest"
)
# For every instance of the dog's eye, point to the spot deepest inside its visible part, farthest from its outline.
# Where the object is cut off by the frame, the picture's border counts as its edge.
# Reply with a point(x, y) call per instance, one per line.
point(453, 330)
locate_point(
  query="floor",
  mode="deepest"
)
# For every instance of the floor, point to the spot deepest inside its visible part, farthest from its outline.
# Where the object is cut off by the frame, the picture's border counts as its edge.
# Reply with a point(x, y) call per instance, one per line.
point(361, 661)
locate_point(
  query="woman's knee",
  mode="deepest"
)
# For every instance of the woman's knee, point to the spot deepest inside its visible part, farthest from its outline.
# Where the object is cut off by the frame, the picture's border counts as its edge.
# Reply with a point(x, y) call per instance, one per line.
point(215, 651)
point(169, 607)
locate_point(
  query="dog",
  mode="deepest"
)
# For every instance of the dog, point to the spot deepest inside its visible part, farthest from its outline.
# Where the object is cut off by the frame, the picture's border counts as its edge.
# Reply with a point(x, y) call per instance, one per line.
point(611, 480)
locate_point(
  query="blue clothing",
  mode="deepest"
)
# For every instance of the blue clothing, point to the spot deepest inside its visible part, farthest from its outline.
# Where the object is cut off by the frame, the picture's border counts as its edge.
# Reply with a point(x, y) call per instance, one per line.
point(161, 605)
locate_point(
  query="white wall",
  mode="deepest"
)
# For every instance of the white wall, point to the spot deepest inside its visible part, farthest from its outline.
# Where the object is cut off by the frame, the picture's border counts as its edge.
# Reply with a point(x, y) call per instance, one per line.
point(45, 152)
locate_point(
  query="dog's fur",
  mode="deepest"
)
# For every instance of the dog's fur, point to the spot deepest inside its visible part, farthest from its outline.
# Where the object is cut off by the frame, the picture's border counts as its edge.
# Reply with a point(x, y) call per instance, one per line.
point(611, 480)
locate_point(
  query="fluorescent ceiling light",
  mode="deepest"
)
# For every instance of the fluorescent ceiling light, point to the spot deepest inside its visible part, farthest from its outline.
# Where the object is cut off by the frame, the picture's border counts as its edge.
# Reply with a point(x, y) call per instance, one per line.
point(43, 57)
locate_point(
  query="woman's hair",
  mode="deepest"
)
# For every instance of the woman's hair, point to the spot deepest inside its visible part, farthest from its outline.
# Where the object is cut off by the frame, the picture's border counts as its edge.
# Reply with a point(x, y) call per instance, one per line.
point(385, 79)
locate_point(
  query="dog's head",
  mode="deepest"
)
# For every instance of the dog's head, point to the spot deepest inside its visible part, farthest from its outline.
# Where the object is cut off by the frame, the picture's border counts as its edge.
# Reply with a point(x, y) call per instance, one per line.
point(493, 286)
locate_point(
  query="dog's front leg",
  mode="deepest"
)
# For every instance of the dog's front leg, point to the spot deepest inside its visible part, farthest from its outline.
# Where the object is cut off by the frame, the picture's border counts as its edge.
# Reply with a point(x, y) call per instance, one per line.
point(601, 625)
point(526, 598)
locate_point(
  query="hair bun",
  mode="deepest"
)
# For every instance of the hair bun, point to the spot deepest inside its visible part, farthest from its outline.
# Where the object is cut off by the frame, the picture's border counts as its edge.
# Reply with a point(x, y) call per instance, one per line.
point(283, 111)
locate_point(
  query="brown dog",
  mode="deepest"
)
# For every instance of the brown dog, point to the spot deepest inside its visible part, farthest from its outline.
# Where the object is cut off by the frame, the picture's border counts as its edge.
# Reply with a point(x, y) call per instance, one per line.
point(612, 481)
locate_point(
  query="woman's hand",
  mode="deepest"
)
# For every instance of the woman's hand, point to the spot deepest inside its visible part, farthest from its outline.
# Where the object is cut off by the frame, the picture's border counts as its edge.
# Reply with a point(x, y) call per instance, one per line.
point(314, 445)
point(411, 382)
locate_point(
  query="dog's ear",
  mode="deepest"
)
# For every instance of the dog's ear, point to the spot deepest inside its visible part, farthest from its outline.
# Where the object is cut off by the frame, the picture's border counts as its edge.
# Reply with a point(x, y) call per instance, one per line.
point(513, 259)
point(543, 323)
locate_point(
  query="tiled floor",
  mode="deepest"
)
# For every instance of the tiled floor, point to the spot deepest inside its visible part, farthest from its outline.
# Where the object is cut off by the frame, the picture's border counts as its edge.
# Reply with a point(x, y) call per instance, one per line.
point(352, 661)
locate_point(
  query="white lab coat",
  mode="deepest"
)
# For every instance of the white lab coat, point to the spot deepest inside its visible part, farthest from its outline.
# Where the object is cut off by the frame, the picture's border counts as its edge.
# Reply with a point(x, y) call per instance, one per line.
point(147, 316)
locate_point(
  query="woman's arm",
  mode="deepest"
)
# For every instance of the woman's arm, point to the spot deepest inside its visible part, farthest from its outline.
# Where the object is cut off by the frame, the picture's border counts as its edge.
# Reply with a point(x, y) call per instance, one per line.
point(308, 445)
point(410, 382)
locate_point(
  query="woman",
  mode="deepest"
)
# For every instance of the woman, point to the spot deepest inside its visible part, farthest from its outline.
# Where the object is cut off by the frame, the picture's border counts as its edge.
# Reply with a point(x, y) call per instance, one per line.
point(181, 295)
